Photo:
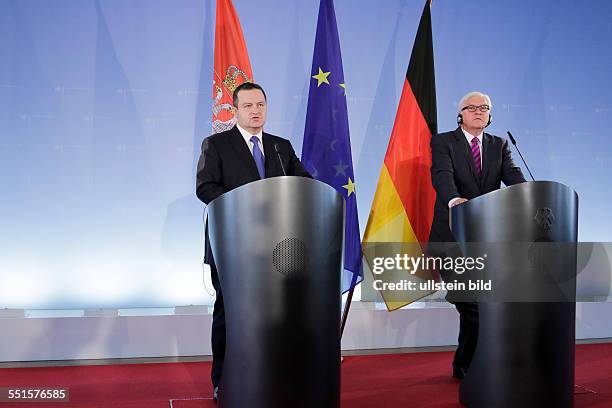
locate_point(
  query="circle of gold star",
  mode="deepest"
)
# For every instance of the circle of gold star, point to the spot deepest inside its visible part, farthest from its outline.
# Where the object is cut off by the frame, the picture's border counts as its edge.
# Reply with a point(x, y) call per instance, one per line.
point(350, 187)
point(321, 77)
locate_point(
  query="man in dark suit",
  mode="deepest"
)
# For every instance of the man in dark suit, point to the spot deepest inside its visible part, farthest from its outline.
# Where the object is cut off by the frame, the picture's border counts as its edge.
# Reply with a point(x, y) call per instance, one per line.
point(229, 160)
point(467, 163)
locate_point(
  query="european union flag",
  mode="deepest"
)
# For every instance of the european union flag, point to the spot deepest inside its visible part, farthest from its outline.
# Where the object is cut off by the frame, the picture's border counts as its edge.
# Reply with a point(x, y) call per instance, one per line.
point(326, 151)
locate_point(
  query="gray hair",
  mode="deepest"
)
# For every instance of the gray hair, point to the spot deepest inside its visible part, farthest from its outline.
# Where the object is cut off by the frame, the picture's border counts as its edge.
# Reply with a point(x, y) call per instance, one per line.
point(469, 95)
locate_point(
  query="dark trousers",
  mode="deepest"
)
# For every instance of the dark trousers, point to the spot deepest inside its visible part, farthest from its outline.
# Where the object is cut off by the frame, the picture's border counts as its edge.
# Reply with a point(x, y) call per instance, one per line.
point(218, 330)
point(468, 334)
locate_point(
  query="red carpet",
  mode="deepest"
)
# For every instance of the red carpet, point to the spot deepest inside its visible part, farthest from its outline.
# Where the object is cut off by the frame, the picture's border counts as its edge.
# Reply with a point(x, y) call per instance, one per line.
point(393, 380)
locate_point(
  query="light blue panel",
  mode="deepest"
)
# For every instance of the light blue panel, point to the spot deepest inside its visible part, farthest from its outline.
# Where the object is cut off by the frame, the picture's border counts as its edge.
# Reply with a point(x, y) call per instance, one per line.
point(103, 106)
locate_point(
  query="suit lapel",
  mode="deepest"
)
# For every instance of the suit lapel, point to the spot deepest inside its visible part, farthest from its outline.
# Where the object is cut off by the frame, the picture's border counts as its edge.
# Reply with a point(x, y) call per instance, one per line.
point(486, 143)
point(269, 155)
point(243, 152)
point(463, 146)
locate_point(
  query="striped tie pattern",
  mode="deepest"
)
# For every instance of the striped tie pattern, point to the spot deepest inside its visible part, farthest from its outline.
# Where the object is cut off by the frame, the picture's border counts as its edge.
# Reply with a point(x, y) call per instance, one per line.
point(259, 158)
point(476, 155)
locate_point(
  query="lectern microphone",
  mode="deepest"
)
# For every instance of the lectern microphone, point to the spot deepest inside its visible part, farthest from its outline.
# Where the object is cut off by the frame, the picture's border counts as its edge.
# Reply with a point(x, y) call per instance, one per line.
point(279, 159)
point(513, 140)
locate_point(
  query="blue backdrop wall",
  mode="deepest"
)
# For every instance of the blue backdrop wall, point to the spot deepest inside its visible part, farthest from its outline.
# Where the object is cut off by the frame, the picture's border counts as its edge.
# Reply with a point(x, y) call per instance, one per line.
point(104, 104)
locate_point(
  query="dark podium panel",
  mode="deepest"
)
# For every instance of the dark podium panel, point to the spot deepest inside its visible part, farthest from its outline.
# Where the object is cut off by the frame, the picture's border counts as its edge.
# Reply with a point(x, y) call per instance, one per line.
point(278, 246)
point(525, 352)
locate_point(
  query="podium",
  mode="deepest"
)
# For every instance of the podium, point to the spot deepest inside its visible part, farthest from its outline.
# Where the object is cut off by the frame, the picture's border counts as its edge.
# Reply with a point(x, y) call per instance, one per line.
point(278, 247)
point(526, 340)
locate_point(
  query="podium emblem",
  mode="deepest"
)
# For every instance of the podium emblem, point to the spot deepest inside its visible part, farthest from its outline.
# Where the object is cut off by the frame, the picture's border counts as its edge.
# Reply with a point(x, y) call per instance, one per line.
point(545, 218)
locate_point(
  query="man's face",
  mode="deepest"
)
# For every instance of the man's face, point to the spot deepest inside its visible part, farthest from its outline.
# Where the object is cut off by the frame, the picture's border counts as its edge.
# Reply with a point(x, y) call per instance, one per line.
point(478, 119)
point(251, 110)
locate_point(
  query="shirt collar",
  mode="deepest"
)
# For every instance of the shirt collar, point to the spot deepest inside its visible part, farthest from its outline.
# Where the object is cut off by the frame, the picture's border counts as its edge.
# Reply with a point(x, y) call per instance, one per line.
point(470, 136)
point(247, 136)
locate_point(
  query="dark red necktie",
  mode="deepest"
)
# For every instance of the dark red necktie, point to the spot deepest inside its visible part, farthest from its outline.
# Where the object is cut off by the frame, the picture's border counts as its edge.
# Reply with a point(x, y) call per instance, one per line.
point(476, 155)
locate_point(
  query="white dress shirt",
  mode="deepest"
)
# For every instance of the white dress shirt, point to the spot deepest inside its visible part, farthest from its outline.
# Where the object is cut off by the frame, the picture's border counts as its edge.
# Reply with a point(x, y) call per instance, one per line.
point(469, 138)
point(247, 139)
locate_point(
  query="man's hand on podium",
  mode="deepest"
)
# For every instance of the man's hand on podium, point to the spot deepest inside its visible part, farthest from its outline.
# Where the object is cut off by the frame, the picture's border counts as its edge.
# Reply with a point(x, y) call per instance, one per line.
point(457, 201)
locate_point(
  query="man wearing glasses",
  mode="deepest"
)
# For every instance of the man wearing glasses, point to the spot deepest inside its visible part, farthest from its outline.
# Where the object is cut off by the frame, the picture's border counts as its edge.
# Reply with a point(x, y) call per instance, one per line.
point(467, 163)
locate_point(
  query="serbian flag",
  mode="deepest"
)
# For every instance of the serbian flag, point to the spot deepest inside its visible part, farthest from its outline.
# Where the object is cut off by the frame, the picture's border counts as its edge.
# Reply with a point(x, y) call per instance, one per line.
point(326, 149)
point(232, 66)
point(402, 209)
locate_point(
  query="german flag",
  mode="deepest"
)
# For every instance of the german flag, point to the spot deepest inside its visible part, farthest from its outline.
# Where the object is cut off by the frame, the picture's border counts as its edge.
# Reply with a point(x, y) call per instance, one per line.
point(402, 209)
point(232, 66)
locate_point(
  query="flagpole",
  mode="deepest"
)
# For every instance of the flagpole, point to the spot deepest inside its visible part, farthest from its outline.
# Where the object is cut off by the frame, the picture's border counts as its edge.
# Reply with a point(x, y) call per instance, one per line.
point(345, 313)
point(347, 305)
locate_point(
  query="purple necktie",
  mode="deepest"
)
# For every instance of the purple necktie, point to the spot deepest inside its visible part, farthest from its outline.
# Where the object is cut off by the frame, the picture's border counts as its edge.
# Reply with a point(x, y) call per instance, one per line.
point(476, 155)
point(259, 158)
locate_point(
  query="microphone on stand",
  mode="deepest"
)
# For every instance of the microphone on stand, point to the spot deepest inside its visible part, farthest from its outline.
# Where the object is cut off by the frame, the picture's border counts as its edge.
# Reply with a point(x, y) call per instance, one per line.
point(279, 159)
point(513, 140)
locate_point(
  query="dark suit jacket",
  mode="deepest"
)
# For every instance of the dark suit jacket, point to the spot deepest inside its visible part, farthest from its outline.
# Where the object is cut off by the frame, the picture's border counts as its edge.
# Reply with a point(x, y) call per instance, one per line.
point(227, 163)
point(453, 174)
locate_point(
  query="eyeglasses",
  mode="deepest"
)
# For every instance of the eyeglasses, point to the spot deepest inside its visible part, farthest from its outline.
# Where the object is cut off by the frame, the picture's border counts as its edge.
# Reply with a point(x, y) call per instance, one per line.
point(472, 108)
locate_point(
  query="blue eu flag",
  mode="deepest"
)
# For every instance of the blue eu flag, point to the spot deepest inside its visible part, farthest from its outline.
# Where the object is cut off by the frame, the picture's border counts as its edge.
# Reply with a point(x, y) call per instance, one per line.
point(326, 151)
